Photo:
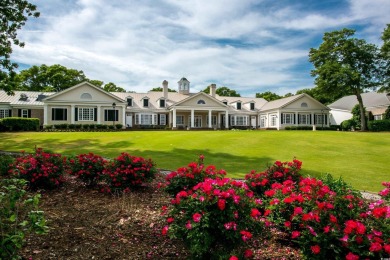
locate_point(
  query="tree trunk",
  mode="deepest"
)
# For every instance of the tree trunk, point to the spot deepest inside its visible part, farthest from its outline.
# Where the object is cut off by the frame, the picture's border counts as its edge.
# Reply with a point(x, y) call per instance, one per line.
point(362, 114)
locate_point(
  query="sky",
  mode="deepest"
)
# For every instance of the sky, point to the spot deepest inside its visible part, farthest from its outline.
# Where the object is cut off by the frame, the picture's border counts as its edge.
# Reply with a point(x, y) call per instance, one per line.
point(251, 46)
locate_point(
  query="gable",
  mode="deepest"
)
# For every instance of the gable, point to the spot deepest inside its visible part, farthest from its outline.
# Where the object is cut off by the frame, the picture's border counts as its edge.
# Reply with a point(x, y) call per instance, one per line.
point(199, 101)
point(299, 104)
point(83, 92)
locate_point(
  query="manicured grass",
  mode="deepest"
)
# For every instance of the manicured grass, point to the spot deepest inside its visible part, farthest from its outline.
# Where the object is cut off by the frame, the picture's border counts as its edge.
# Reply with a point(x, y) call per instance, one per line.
point(362, 159)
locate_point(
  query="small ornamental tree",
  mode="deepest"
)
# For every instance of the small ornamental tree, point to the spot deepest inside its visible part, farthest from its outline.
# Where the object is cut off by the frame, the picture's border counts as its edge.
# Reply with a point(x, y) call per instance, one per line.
point(126, 172)
point(216, 219)
point(88, 168)
point(42, 170)
point(185, 178)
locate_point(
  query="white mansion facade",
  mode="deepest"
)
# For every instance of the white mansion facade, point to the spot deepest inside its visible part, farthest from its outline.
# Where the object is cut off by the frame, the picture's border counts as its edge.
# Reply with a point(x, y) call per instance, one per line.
point(88, 104)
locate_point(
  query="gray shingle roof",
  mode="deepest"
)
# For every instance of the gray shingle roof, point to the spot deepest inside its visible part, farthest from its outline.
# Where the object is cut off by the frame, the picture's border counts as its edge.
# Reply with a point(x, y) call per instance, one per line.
point(370, 100)
point(31, 100)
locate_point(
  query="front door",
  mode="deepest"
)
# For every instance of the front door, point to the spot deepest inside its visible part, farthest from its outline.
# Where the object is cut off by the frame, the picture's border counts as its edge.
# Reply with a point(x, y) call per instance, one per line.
point(129, 121)
point(198, 121)
point(253, 122)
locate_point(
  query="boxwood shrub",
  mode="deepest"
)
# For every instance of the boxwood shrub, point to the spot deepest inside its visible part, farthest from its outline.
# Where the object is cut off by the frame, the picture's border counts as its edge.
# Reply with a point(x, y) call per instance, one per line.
point(379, 125)
point(19, 124)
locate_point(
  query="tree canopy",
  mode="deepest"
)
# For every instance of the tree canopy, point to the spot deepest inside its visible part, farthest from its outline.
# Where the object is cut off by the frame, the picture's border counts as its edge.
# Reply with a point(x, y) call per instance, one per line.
point(13, 16)
point(345, 66)
point(223, 91)
point(385, 53)
point(160, 89)
point(268, 95)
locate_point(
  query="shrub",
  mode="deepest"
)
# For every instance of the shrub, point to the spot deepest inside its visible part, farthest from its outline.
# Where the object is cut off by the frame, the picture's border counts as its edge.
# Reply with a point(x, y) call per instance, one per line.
point(71, 126)
point(118, 126)
point(20, 124)
point(126, 171)
point(385, 193)
point(347, 125)
point(88, 168)
point(216, 219)
point(379, 125)
point(61, 126)
point(78, 126)
point(5, 162)
point(278, 172)
point(19, 215)
point(41, 170)
point(185, 178)
point(48, 127)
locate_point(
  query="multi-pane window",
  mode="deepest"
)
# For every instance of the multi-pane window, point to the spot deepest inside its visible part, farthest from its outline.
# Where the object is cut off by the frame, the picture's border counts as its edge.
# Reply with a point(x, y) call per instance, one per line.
point(252, 105)
point(110, 115)
point(213, 120)
point(129, 102)
point(4, 113)
point(263, 121)
point(146, 102)
point(273, 120)
point(85, 114)
point(320, 119)
point(146, 119)
point(376, 117)
point(163, 119)
point(162, 102)
point(238, 105)
point(304, 119)
point(288, 118)
point(239, 120)
point(24, 113)
point(59, 114)
point(180, 120)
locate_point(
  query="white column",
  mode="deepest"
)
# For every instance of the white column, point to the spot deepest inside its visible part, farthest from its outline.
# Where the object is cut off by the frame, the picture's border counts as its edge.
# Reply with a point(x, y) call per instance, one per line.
point(174, 118)
point(219, 120)
point(72, 114)
point(192, 118)
point(98, 116)
point(124, 116)
point(45, 114)
point(226, 119)
point(170, 117)
point(210, 126)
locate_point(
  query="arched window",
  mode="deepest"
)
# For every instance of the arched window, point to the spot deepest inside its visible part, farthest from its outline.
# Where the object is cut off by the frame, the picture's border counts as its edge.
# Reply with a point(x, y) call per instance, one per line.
point(86, 96)
point(201, 102)
point(304, 104)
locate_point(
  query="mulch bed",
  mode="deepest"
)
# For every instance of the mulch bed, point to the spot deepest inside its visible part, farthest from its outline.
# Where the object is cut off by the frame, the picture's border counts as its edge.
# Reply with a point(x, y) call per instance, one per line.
point(87, 224)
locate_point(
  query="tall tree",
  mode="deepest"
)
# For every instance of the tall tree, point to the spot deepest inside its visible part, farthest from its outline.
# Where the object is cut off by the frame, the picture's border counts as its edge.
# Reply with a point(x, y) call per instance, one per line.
point(385, 53)
point(223, 91)
point(13, 15)
point(345, 66)
point(49, 78)
point(268, 95)
point(160, 89)
point(111, 87)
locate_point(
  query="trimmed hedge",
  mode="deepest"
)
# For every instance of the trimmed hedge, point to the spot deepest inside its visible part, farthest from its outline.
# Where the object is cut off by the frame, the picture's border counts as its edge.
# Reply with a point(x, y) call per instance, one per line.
point(82, 127)
point(379, 125)
point(19, 124)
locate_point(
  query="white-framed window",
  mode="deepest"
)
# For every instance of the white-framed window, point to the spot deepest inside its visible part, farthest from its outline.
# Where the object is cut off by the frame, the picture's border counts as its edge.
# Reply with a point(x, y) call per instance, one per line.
point(111, 115)
point(129, 102)
point(201, 102)
point(146, 119)
point(377, 117)
point(304, 104)
point(86, 96)
point(304, 119)
point(320, 119)
point(263, 120)
point(146, 102)
point(24, 113)
point(4, 113)
point(273, 120)
point(252, 106)
point(59, 114)
point(239, 120)
point(213, 120)
point(238, 105)
point(288, 118)
point(180, 120)
point(163, 119)
point(162, 102)
point(85, 114)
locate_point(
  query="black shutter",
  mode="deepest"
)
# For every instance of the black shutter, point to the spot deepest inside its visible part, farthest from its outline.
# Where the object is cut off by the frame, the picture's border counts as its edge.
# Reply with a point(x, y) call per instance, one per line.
point(299, 117)
point(315, 119)
point(76, 114)
point(105, 115)
point(19, 113)
point(10, 113)
point(281, 118)
point(294, 118)
point(52, 114)
point(310, 118)
point(65, 114)
point(116, 115)
point(95, 114)
point(29, 113)
point(326, 119)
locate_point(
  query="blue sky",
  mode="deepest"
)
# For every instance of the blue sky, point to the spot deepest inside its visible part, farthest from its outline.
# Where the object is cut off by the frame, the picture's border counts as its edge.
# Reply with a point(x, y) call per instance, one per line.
point(248, 45)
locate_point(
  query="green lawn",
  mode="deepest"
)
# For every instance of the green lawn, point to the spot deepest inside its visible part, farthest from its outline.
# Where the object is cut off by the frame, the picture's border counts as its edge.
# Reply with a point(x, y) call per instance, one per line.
point(362, 159)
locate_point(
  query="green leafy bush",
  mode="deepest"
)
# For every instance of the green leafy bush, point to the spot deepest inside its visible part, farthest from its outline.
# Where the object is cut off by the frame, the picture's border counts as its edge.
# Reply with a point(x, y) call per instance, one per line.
point(5, 162)
point(347, 125)
point(379, 125)
point(19, 215)
point(20, 124)
point(41, 170)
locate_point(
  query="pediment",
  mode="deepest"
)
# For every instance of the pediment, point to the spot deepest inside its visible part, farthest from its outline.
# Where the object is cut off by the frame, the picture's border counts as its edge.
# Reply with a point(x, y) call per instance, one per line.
point(200, 100)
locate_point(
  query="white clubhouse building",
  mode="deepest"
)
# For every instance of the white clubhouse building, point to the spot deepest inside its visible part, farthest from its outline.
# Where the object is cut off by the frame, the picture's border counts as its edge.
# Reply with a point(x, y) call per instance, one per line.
point(88, 104)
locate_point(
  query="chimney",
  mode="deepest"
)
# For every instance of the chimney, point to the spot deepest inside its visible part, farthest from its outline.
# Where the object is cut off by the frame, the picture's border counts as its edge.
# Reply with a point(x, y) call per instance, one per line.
point(165, 89)
point(213, 89)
